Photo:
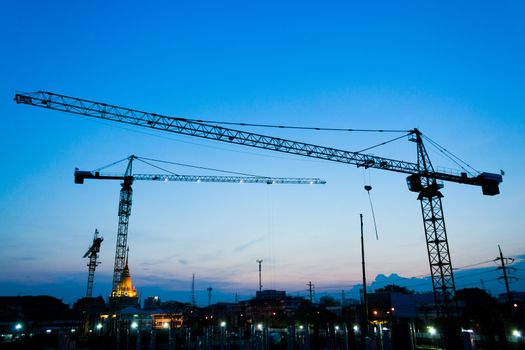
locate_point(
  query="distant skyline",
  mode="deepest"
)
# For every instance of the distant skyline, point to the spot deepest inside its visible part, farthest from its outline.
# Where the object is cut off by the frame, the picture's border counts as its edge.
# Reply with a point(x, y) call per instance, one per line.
point(453, 70)
point(73, 286)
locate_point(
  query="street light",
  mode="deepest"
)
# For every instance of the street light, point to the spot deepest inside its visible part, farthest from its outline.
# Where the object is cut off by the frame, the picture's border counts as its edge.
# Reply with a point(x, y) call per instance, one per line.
point(18, 326)
point(223, 333)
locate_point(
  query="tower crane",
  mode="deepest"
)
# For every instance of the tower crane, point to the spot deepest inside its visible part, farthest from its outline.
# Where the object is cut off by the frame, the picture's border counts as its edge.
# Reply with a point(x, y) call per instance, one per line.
point(92, 253)
point(423, 178)
point(126, 194)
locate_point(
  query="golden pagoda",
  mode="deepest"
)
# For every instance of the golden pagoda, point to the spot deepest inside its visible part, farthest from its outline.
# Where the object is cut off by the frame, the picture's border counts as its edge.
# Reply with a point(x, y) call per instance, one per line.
point(125, 294)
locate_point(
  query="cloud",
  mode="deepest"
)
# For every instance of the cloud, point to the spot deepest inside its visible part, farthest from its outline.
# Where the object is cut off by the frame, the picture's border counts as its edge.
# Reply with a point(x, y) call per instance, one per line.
point(24, 258)
point(246, 245)
point(158, 261)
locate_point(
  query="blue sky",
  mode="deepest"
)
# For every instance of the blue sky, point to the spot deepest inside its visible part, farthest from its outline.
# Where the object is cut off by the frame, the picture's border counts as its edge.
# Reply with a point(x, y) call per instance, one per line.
point(453, 70)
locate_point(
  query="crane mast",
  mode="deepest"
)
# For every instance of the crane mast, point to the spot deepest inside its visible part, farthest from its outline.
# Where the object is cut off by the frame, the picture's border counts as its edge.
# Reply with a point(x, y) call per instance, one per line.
point(124, 211)
point(422, 176)
point(92, 253)
point(440, 262)
point(126, 195)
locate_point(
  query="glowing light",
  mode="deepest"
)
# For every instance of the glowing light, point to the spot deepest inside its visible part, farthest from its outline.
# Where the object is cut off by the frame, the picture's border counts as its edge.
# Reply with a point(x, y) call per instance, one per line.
point(356, 328)
point(165, 325)
point(260, 326)
point(432, 330)
point(99, 326)
point(18, 326)
point(48, 331)
point(336, 328)
point(223, 324)
point(516, 333)
point(134, 325)
point(73, 330)
point(301, 327)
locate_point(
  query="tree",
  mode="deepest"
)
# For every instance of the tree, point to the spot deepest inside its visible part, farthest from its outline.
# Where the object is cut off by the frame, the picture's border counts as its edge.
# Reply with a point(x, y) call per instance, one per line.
point(479, 310)
point(328, 300)
point(394, 288)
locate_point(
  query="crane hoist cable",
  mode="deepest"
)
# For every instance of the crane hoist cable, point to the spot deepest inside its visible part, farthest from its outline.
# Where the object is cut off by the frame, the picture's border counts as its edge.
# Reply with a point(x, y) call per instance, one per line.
point(368, 188)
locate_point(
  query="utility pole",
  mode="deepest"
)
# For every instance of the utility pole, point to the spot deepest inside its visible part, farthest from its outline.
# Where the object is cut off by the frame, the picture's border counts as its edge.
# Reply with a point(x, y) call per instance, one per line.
point(505, 261)
point(310, 290)
point(259, 261)
point(193, 291)
point(209, 295)
point(364, 326)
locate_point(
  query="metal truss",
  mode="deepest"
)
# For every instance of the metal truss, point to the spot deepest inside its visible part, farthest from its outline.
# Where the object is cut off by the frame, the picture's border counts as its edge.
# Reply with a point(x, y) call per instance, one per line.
point(194, 128)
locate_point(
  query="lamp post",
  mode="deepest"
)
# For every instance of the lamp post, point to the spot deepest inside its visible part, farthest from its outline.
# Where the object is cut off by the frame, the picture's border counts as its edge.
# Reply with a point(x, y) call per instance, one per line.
point(223, 334)
point(18, 329)
point(364, 320)
point(167, 325)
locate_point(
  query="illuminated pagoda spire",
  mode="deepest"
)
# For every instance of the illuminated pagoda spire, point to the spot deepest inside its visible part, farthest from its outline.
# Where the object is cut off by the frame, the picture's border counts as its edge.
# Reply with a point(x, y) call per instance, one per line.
point(125, 294)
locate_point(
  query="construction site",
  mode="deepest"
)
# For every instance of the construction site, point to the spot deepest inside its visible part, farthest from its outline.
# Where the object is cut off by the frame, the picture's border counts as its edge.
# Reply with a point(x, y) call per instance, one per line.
point(390, 318)
point(271, 175)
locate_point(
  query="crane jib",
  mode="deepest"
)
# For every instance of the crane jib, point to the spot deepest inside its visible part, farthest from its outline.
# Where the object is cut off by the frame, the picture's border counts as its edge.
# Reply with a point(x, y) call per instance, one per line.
point(489, 182)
